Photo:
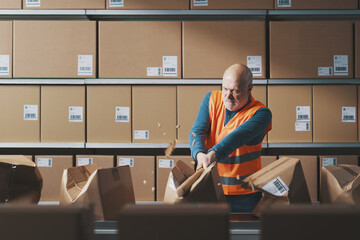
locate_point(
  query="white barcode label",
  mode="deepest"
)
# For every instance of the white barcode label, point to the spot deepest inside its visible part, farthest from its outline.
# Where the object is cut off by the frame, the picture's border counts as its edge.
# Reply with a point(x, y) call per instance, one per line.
point(329, 162)
point(126, 162)
point(116, 3)
point(4, 65)
point(141, 134)
point(341, 65)
point(302, 126)
point(75, 114)
point(166, 163)
point(325, 71)
point(122, 114)
point(284, 3)
point(199, 3)
point(276, 187)
point(33, 3)
point(154, 71)
point(348, 114)
point(169, 66)
point(254, 64)
point(85, 65)
point(84, 161)
point(302, 113)
point(44, 162)
point(31, 112)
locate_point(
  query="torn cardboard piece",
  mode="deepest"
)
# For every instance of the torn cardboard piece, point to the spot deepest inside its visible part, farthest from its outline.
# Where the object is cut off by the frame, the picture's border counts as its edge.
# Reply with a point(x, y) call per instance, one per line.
point(185, 185)
point(340, 184)
point(20, 180)
point(107, 189)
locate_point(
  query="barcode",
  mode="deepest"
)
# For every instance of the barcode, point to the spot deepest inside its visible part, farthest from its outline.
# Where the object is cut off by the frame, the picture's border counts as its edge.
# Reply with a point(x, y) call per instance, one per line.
point(169, 70)
point(340, 69)
point(4, 69)
point(33, 1)
point(85, 68)
point(146, 135)
point(307, 127)
point(284, 2)
point(255, 69)
point(116, 1)
point(348, 117)
point(30, 115)
point(279, 186)
point(75, 117)
point(200, 2)
point(122, 117)
point(303, 117)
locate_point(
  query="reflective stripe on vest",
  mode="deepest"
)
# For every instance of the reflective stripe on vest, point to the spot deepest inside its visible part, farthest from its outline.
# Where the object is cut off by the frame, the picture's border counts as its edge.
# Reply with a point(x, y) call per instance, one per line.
point(245, 160)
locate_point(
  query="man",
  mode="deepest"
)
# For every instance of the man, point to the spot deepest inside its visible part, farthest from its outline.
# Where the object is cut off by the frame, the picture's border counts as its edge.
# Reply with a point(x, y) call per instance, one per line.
point(229, 129)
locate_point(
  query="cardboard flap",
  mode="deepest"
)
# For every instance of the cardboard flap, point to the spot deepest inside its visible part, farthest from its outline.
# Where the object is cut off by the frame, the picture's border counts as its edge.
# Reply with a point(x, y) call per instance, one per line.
point(185, 187)
point(181, 172)
point(344, 173)
point(17, 160)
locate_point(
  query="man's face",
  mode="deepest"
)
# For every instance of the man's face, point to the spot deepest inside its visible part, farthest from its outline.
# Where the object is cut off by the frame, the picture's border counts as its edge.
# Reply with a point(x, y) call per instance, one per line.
point(235, 94)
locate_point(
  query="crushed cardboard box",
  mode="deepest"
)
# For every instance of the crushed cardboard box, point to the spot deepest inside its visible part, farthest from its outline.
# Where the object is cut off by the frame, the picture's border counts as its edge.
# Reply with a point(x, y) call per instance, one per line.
point(185, 185)
point(340, 184)
point(107, 189)
point(282, 183)
point(20, 180)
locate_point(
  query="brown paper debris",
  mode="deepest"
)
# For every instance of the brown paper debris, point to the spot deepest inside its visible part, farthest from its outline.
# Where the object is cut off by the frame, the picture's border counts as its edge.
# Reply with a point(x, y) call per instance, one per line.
point(178, 126)
point(169, 150)
point(159, 125)
point(193, 134)
point(153, 189)
point(193, 143)
point(144, 182)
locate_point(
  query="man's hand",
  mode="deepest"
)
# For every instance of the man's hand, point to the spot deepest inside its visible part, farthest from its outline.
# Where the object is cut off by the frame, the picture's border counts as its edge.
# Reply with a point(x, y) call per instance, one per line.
point(204, 160)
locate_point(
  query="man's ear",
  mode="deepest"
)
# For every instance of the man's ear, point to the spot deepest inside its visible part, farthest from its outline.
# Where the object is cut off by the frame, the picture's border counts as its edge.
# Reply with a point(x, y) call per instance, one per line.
point(250, 87)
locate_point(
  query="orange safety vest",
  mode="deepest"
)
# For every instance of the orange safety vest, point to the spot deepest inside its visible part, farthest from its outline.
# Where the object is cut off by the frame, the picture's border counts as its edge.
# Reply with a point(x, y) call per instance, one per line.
point(245, 160)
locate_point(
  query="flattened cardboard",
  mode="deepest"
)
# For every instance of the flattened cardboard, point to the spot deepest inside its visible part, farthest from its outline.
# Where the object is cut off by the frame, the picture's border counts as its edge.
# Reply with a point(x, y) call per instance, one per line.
point(299, 48)
point(266, 160)
point(102, 102)
point(283, 102)
point(320, 4)
point(235, 4)
point(209, 48)
point(103, 161)
point(55, 124)
point(328, 125)
point(143, 176)
point(12, 124)
point(6, 45)
point(189, 99)
point(20, 180)
point(68, 4)
point(52, 175)
point(128, 48)
point(153, 4)
point(51, 49)
point(154, 110)
point(162, 173)
point(108, 189)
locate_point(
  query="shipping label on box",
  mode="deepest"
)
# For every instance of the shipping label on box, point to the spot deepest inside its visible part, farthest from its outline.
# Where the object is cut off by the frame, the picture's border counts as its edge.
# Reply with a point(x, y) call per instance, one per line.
point(116, 3)
point(329, 161)
point(154, 71)
point(31, 112)
point(284, 3)
point(84, 161)
point(32, 3)
point(348, 114)
point(341, 66)
point(85, 65)
point(166, 163)
point(122, 114)
point(302, 113)
point(4, 65)
point(170, 66)
point(126, 162)
point(141, 134)
point(75, 114)
point(276, 187)
point(254, 63)
point(325, 71)
point(302, 126)
point(201, 3)
point(44, 162)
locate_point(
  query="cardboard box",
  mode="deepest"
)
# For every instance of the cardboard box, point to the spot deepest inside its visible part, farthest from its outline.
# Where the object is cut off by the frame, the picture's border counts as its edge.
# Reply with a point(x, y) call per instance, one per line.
point(51, 168)
point(340, 184)
point(154, 114)
point(62, 118)
point(357, 50)
point(334, 109)
point(189, 99)
point(20, 121)
point(102, 161)
point(57, 222)
point(311, 49)
point(142, 173)
point(178, 221)
point(209, 48)
point(6, 49)
point(291, 107)
point(146, 4)
point(232, 4)
point(142, 49)
point(64, 4)
point(108, 114)
point(10, 4)
point(108, 189)
point(309, 165)
point(259, 93)
point(266, 160)
point(163, 169)
point(54, 49)
point(282, 182)
point(316, 4)
point(20, 182)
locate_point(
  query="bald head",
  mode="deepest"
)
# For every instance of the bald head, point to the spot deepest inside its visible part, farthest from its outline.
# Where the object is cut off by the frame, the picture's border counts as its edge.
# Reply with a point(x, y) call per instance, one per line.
point(236, 85)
